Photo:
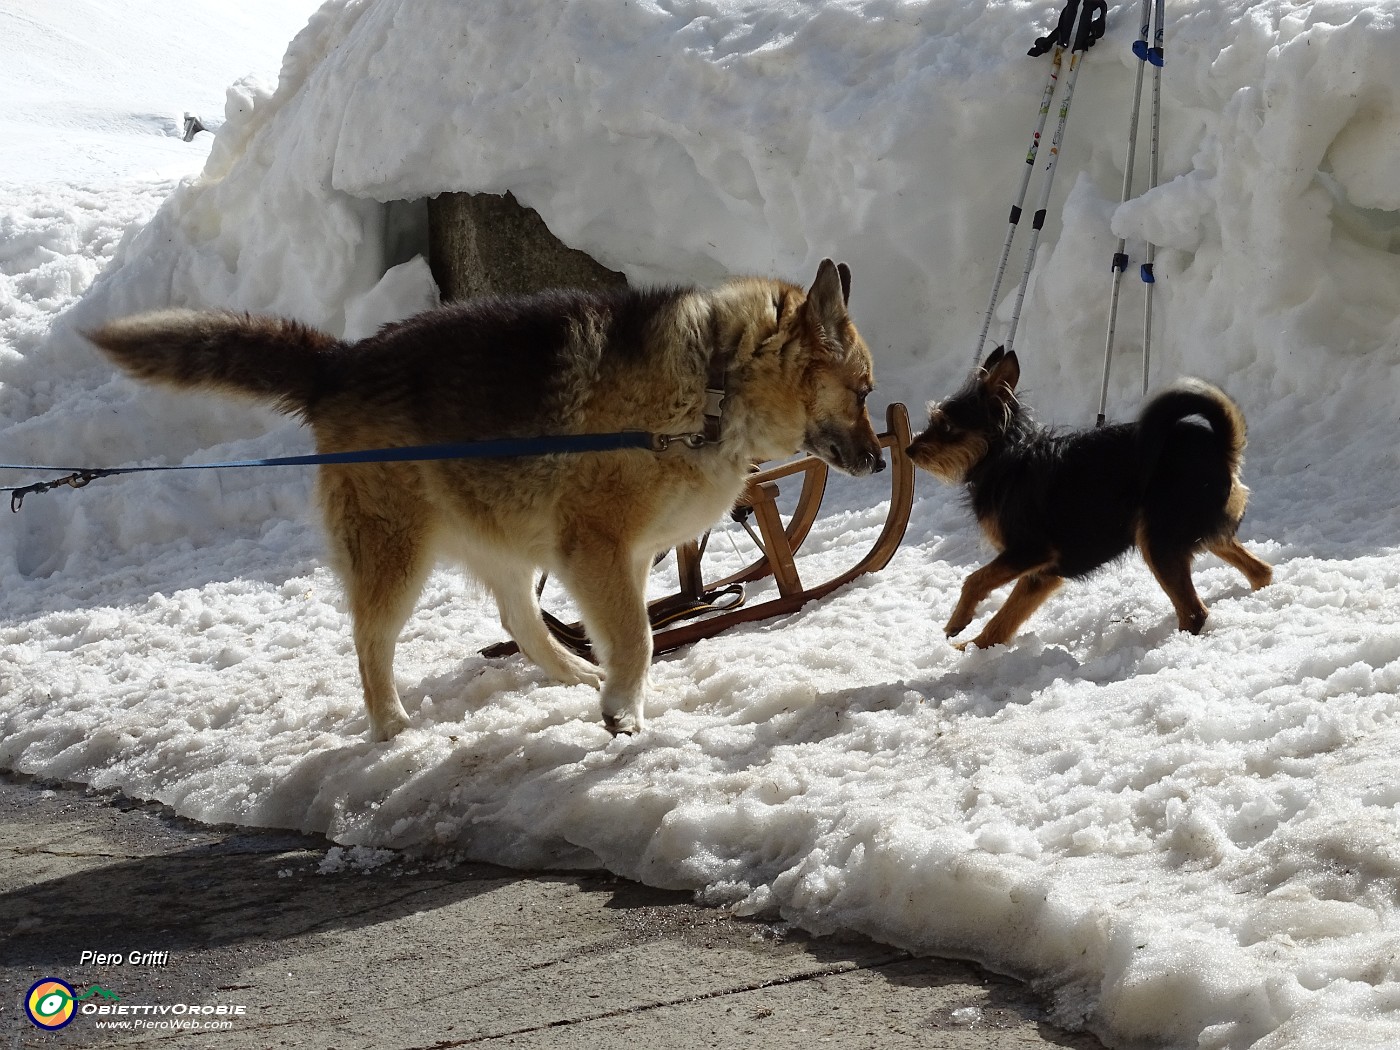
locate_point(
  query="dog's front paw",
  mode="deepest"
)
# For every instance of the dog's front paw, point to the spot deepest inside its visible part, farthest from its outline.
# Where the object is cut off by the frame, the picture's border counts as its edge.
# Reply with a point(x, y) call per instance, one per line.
point(388, 727)
point(956, 625)
point(624, 723)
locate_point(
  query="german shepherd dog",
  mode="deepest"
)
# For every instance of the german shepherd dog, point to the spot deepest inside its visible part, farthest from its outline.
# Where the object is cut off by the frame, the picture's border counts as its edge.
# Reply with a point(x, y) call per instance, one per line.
point(796, 375)
point(1059, 506)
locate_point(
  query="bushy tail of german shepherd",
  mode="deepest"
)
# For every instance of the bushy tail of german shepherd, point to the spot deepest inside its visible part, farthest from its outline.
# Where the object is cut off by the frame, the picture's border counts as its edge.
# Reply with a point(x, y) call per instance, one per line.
point(263, 358)
point(1191, 397)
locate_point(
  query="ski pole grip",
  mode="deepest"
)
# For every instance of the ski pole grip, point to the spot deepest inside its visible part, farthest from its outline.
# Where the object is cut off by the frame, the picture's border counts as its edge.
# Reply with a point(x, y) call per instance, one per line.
point(1061, 35)
point(1092, 25)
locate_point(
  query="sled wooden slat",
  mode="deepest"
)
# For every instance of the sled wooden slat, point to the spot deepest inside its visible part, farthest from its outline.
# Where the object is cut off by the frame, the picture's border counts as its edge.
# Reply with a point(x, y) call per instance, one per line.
point(814, 474)
point(779, 549)
point(692, 581)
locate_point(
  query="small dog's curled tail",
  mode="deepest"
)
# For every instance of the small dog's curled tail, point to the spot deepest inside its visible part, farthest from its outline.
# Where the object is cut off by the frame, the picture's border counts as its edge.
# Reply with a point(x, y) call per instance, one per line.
point(264, 358)
point(1191, 397)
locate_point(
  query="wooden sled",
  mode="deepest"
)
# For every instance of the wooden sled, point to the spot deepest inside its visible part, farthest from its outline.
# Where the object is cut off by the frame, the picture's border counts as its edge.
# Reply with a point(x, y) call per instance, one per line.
point(713, 607)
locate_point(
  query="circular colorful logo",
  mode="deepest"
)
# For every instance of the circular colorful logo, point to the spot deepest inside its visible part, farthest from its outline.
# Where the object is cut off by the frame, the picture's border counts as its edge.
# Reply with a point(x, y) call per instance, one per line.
point(49, 1003)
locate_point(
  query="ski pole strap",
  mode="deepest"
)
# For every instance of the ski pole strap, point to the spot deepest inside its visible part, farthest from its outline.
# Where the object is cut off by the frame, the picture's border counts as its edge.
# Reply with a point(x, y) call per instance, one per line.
point(500, 448)
point(1063, 35)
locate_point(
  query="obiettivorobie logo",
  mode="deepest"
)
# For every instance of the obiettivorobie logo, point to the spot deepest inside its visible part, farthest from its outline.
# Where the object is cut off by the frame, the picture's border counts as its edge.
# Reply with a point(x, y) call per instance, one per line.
point(51, 1003)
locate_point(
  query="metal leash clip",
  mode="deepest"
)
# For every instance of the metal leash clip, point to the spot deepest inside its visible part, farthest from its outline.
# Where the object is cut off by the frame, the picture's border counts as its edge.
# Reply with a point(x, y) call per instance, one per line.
point(661, 442)
point(77, 480)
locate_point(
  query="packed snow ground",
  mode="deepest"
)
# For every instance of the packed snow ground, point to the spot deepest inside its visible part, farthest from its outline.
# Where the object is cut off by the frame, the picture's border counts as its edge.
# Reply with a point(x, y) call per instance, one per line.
point(1185, 841)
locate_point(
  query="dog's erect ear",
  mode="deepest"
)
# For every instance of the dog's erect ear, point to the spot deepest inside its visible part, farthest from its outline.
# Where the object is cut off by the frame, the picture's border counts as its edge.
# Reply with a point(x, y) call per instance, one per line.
point(844, 272)
point(826, 300)
point(991, 362)
point(1003, 372)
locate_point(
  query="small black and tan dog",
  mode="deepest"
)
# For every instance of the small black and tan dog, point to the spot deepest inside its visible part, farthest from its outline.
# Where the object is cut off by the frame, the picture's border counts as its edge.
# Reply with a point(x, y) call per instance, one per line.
point(1059, 506)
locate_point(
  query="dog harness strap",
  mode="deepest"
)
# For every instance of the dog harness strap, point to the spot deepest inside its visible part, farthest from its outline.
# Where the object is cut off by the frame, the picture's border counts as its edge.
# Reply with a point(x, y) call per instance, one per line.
point(715, 383)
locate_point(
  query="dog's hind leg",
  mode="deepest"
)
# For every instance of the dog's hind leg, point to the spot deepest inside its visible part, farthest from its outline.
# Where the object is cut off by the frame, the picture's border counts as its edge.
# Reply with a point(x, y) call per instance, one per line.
point(1172, 568)
point(608, 581)
point(514, 591)
point(1257, 571)
point(1001, 570)
point(1026, 597)
point(382, 559)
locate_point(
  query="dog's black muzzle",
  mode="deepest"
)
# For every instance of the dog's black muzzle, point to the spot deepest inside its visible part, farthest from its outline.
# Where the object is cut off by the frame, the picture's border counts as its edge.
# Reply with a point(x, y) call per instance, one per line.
point(856, 454)
point(857, 464)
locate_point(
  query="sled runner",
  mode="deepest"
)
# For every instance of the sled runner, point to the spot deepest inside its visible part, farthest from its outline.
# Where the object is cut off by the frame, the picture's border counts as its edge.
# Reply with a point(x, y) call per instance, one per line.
point(701, 610)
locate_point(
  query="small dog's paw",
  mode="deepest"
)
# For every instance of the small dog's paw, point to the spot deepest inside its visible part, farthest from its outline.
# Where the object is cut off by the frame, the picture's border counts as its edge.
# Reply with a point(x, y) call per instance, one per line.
point(980, 642)
point(1191, 622)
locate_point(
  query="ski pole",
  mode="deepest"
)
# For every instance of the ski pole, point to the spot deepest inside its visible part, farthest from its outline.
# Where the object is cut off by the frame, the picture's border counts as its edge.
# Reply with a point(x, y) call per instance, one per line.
point(1120, 257)
point(1089, 27)
point(1057, 40)
point(1156, 55)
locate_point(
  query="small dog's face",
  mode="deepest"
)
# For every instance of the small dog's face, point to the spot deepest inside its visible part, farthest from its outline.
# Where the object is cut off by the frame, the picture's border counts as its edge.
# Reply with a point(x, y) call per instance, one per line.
point(946, 448)
point(961, 429)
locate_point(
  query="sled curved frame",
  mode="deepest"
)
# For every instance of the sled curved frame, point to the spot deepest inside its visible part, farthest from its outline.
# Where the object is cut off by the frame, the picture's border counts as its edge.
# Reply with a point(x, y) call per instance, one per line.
point(777, 556)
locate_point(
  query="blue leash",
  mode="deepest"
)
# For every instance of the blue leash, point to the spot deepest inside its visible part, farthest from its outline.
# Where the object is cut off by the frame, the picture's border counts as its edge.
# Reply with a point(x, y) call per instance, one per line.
point(499, 448)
